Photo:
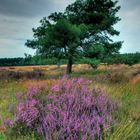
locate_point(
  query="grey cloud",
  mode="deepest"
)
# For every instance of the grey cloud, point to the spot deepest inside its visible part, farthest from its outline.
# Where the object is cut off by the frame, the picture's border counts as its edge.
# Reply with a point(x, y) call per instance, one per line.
point(31, 8)
point(17, 18)
point(129, 26)
point(24, 7)
point(130, 4)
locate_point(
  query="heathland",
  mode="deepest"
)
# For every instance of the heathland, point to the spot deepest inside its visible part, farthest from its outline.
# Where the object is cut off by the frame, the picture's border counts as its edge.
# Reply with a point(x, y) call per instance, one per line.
point(119, 83)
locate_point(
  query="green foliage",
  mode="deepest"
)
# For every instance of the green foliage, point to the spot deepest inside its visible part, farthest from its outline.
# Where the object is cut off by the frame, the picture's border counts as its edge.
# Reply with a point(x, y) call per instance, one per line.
point(99, 16)
point(94, 51)
point(92, 62)
point(39, 60)
point(2, 137)
point(60, 39)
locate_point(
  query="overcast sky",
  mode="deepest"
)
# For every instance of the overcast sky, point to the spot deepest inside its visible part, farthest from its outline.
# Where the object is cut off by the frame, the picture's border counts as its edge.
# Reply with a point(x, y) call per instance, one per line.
point(18, 17)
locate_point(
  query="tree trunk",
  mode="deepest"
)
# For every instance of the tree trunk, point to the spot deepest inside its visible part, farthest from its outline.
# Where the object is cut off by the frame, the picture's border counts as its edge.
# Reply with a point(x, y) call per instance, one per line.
point(69, 65)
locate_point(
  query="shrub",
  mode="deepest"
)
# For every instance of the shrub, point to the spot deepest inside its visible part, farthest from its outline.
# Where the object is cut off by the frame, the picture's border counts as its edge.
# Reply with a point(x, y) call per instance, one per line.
point(92, 62)
point(70, 110)
point(113, 77)
point(35, 74)
point(118, 77)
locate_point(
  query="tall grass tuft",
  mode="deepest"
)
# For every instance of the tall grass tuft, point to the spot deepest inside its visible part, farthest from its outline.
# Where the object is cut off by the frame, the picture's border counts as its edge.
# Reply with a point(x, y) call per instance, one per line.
point(125, 130)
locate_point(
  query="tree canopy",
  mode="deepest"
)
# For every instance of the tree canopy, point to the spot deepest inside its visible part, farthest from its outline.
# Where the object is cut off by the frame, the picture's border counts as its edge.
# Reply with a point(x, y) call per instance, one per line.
point(84, 29)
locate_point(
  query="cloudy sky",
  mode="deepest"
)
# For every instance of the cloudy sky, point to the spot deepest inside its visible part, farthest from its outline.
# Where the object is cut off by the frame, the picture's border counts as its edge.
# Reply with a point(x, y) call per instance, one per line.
point(18, 17)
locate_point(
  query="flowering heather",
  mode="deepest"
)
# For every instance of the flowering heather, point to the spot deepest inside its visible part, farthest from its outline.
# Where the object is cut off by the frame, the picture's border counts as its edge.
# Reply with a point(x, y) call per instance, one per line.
point(69, 111)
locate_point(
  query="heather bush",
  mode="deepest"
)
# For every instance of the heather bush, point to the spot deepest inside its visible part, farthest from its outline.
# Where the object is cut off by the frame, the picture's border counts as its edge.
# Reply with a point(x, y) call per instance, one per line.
point(69, 110)
point(118, 77)
point(113, 77)
point(35, 74)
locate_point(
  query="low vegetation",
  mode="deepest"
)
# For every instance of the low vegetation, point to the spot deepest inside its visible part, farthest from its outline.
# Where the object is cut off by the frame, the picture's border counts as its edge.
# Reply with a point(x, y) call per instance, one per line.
point(26, 102)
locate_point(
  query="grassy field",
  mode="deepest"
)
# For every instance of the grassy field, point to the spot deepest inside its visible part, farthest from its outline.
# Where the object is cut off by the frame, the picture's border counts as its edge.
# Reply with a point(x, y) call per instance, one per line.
point(121, 82)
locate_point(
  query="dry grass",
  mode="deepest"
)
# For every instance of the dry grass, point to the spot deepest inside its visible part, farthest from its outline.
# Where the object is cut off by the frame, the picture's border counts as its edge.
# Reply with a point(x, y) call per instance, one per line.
point(135, 79)
point(44, 67)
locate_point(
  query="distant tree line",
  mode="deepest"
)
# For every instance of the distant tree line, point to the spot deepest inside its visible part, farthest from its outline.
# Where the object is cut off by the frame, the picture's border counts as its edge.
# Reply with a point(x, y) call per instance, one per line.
point(127, 58)
point(11, 61)
point(31, 60)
